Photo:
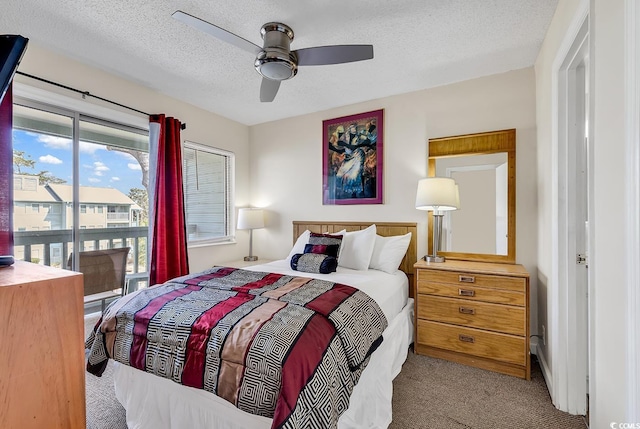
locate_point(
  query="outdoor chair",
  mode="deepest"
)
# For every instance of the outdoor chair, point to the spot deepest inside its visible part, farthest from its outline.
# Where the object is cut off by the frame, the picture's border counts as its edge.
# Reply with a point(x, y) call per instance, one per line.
point(104, 273)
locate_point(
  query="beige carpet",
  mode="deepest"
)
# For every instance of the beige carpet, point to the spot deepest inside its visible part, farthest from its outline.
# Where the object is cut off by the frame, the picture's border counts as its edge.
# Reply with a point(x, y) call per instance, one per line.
point(437, 394)
point(428, 394)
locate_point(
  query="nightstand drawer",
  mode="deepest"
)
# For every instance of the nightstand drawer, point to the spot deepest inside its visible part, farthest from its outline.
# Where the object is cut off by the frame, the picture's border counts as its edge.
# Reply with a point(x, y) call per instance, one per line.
point(473, 293)
point(500, 347)
point(495, 317)
point(471, 279)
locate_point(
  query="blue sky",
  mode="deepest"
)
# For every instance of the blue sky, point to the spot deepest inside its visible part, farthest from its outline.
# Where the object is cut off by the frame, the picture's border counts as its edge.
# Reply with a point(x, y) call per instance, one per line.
point(98, 166)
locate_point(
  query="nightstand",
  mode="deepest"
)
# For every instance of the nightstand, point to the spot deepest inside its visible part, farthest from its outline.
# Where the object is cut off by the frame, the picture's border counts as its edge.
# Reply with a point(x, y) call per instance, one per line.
point(242, 263)
point(474, 313)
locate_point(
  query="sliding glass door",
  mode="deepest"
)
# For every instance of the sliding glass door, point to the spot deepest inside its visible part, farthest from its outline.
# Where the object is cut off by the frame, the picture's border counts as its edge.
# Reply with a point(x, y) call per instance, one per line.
point(80, 184)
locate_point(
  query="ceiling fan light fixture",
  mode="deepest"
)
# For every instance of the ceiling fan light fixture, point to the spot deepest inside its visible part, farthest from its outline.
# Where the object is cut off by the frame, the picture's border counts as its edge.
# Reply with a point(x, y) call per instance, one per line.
point(276, 65)
point(274, 60)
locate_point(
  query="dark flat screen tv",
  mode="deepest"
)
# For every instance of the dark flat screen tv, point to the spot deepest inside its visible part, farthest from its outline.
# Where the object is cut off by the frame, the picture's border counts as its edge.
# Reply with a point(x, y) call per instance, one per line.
point(12, 48)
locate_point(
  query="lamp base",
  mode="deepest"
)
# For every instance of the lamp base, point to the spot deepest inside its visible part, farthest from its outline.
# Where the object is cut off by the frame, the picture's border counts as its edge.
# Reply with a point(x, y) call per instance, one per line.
point(250, 258)
point(430, 258)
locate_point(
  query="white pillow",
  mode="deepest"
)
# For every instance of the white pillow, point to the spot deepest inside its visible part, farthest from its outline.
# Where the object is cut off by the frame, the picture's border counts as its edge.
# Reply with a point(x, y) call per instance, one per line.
point(357, 248)
point(302, 240)
point(388, 252)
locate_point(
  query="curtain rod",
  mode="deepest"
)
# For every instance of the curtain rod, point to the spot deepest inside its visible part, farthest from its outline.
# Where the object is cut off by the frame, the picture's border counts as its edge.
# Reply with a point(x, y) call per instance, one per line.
point(86, 94)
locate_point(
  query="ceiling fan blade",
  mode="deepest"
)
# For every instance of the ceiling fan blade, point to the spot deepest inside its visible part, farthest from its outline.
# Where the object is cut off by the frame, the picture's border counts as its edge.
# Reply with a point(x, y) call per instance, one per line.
point(336, 54)
point(268, 89)
point(216, 31)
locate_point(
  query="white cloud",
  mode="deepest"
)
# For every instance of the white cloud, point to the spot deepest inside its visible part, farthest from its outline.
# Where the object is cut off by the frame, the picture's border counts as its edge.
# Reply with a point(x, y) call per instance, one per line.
point(115, 179)
point(133, 166)
point(99, 168)
point(93, 180)
point(126, 155)
point(55, 142)
point(49, 159)
point(64, 143)
point(90, 148)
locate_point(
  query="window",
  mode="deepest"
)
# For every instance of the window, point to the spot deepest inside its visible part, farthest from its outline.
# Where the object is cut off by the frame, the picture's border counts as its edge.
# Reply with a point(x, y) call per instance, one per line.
point(35, 208)
point(54, 146)
point(208, 193)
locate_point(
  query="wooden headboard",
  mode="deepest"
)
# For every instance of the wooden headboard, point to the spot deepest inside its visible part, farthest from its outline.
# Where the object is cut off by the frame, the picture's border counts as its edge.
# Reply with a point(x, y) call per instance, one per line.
point(384, 229)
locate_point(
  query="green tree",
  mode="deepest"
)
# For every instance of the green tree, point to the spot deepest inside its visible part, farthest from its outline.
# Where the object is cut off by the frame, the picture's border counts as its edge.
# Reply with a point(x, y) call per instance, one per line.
point(141, 198)
point(44, 177)
point(22, 160)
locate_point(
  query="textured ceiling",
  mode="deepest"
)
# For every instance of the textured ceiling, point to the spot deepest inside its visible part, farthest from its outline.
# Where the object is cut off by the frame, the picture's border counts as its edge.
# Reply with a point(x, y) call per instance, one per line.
point(417, 44)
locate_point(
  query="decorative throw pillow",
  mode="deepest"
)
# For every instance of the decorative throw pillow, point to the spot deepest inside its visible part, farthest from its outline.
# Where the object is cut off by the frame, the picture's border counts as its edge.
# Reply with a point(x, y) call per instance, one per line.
point(326, 244)
point(356, 249)
point(314, 263)
point(298, 247)
point(388, 252)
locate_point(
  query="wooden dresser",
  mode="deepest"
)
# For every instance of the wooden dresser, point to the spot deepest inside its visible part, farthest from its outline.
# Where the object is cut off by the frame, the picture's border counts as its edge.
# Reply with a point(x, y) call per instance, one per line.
point(474, 313)
point(41, 348)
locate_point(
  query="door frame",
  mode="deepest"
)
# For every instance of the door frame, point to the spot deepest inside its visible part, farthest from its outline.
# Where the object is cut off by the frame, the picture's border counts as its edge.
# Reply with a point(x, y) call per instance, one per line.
point(632, 218)
point(568, 379)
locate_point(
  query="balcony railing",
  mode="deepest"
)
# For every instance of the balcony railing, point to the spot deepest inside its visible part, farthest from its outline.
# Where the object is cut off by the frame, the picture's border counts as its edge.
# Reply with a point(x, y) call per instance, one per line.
point(56, 245)
point(118, 216)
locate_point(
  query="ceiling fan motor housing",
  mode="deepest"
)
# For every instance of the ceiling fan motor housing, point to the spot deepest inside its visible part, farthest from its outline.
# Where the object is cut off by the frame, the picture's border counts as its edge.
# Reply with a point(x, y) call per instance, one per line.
point(275, 61)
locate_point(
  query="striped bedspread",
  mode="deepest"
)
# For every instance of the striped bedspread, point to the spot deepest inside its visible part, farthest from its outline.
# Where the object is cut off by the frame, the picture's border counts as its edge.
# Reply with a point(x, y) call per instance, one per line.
point(285, 347)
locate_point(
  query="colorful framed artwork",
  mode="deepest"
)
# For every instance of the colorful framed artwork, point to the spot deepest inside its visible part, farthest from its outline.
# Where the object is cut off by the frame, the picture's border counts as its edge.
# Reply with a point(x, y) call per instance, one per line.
point(352, 159)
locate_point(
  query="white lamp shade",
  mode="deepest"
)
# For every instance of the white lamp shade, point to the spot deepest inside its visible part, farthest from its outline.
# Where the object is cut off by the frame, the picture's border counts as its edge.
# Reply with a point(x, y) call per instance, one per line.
point(250, 218)
point(437, 193)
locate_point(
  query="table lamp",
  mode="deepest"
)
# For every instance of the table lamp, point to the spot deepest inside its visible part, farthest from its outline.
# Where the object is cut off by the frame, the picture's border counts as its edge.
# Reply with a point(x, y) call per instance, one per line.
point(250, 218)
point(437, 194)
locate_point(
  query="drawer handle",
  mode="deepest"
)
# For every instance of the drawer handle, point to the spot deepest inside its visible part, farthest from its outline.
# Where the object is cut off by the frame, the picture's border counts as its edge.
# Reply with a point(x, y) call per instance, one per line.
point(466, 310)
point(466, 279)
point(466, 292)
point(466, 338)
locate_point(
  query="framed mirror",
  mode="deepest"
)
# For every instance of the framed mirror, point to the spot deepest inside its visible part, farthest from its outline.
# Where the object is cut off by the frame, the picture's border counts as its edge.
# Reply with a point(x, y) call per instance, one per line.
point(484, 167)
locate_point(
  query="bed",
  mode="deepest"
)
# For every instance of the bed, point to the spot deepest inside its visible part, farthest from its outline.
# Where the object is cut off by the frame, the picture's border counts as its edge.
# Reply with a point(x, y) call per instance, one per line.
point(158, 402)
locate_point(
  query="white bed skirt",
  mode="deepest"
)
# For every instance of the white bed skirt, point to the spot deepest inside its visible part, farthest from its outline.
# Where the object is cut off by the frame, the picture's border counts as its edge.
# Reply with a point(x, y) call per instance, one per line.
point(154, 402)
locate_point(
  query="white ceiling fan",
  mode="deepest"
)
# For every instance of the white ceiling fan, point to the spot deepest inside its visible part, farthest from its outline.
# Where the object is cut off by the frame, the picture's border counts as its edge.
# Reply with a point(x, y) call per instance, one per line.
point(275, 60)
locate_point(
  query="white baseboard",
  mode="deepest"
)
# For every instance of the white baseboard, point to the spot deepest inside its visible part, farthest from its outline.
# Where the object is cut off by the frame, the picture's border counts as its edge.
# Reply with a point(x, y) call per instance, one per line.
point(546, 372)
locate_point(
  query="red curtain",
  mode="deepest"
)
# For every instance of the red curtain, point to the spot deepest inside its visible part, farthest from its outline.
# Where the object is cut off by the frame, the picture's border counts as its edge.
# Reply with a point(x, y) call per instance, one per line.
point(6, 174)
point(168, 253)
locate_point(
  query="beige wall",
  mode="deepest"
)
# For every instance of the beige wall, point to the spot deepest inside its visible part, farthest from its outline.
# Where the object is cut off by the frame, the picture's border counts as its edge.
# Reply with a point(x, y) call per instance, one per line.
point(202, 126)
point(286, 158)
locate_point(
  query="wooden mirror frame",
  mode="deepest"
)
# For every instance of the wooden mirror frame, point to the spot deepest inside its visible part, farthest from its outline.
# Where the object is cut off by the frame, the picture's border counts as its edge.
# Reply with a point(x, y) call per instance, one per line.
point(480, 144)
